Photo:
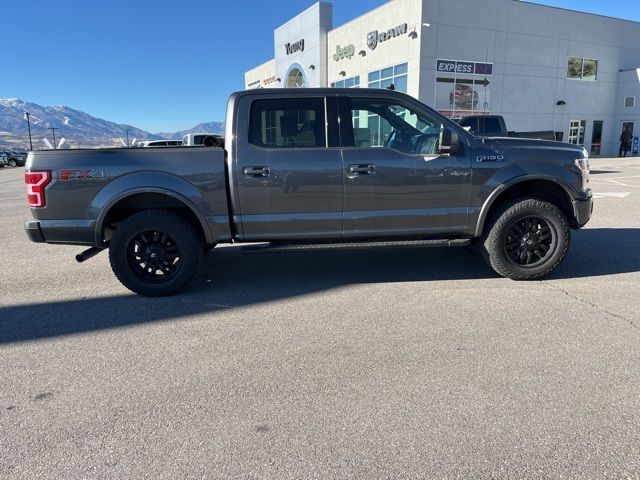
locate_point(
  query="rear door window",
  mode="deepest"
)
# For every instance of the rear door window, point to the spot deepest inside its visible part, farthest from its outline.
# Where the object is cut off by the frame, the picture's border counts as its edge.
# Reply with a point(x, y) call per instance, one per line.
point(287, 123)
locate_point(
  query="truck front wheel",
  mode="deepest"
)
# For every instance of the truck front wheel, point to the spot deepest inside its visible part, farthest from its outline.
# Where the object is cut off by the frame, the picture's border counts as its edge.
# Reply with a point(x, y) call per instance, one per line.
point(527, 239)
point(155, 253)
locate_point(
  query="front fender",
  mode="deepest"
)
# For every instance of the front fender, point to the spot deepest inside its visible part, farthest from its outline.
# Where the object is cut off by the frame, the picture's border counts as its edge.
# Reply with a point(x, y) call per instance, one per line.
point(149, 182)
point(503, 186)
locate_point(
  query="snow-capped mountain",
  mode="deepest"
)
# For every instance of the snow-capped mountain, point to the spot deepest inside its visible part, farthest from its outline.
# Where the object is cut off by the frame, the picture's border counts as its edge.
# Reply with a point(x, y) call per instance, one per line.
point(78, 128)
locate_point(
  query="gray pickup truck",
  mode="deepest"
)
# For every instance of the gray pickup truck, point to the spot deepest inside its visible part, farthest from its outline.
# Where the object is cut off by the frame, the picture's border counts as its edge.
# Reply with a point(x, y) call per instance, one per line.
point(309, 169)
point(495, 126)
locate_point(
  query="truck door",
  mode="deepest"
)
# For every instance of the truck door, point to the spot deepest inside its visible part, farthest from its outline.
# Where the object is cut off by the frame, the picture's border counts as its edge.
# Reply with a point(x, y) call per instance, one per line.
point(396, 182)
point(289, 180)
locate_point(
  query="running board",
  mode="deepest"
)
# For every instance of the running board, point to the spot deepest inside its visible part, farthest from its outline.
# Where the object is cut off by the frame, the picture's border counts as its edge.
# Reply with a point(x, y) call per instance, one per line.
point(309, 247)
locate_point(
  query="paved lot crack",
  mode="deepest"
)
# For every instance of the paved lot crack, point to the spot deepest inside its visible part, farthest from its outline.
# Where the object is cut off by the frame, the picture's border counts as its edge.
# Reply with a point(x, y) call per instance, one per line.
point(593, 305)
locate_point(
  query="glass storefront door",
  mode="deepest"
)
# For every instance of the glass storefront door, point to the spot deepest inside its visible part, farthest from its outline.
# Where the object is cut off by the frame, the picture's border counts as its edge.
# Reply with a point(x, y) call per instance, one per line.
point(596, 137)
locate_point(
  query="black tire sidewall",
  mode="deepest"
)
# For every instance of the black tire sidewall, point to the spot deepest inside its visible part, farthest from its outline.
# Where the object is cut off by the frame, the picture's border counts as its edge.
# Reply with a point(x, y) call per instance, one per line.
point(493, 245)
point(13, 163)
point(173, 225)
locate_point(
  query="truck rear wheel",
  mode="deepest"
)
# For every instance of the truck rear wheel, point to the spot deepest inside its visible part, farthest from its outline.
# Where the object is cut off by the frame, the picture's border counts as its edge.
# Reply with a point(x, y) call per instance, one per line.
point(527, 239)
point(155, 253)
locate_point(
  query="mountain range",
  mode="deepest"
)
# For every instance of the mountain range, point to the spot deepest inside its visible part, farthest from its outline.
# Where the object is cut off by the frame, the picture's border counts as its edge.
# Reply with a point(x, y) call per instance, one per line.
point(79, 129)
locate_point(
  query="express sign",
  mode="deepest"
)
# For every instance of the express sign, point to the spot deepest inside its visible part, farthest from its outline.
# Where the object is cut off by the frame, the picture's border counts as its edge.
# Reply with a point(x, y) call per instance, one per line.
point(455, 66)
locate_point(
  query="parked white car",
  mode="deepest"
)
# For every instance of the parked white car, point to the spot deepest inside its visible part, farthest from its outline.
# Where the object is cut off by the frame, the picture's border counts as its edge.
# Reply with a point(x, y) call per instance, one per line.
point(161, 143)
point(203, 140)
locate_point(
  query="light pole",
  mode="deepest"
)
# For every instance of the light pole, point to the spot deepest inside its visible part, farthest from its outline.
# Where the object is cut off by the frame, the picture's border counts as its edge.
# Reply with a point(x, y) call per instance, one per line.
point(53, 130)
point(26, 117)
point(128, 137)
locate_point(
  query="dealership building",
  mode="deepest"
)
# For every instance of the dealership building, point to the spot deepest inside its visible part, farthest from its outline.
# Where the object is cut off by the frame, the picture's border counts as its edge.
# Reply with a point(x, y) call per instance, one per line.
point(542, 68)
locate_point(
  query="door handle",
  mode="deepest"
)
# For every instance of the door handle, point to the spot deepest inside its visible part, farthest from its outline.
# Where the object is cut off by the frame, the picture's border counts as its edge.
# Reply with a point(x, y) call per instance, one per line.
point(362, 169)
point(256, 171)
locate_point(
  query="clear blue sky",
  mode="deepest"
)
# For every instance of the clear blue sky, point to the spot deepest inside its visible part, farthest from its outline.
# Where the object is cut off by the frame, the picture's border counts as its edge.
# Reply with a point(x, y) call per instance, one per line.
point(156, 64)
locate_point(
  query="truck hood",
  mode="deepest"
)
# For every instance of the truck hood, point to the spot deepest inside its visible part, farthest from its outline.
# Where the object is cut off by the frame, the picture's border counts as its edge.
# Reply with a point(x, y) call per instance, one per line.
point(528, 143)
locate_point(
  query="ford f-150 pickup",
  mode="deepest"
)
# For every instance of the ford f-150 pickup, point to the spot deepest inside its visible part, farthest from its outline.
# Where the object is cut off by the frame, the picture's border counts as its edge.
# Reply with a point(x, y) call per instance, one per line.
point(313, 168)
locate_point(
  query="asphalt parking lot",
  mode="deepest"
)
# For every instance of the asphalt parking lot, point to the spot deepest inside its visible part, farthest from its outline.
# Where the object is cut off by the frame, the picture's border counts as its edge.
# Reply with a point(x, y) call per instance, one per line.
point(394, 363)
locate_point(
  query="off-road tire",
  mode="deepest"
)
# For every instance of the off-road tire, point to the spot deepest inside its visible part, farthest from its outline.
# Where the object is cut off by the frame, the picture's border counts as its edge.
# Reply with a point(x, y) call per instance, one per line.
point(182, 235)
point(494, 246)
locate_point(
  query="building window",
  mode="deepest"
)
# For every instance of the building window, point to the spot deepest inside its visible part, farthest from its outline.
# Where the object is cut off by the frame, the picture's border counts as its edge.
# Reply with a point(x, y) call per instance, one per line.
point(629, 102)
point(295, 79)
point(353, 82)
point(576, 131)
point(596, 137)
point(396, 76)
point(287, 123)
point(582, 69)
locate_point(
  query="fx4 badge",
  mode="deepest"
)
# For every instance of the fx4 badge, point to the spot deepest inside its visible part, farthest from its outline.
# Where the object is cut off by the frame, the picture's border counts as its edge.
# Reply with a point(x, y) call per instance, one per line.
point(490, 158)
point(81, 174)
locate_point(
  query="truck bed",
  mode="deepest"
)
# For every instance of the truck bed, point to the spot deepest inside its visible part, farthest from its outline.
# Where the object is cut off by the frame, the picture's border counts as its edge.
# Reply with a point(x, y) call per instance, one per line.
point(86, 183)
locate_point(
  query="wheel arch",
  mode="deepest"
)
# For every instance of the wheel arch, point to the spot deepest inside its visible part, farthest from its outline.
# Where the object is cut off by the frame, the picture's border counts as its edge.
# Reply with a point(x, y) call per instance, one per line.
point(132, 201)
point(541, 187)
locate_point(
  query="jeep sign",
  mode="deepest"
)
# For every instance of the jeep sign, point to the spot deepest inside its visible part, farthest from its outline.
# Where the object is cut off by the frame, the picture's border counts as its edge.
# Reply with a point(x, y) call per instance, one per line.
point(342, 53)
point(376, 37)
point(295, 47)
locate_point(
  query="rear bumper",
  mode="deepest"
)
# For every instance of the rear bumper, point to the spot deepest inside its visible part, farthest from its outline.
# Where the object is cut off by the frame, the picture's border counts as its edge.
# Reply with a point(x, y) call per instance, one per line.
point(67, 232)
point(32, 227)
point(582, 209)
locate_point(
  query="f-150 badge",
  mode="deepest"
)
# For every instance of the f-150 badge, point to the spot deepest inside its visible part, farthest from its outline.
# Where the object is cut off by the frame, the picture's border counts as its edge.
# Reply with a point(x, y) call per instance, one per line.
point(490, 158)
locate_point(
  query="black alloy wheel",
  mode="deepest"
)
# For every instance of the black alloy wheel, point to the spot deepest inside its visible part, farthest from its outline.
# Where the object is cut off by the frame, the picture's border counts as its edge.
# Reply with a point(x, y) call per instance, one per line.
point(154, 256)
point(530, 242)
point(155, 252)
point(526, 238)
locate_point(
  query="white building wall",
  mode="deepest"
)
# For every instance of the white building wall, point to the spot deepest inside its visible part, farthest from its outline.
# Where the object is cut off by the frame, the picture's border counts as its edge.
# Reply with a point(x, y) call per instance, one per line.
point(263, 76)
point(527, 44)
point(400, 49)
point(311, 26)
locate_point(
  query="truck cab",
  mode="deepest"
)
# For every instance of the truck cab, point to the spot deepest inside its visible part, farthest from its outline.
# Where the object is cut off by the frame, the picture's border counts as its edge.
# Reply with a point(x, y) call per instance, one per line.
point(301, 174)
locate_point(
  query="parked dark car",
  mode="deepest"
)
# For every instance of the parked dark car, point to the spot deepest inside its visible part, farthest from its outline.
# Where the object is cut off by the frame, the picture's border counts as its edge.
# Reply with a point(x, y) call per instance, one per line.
point(14, 159)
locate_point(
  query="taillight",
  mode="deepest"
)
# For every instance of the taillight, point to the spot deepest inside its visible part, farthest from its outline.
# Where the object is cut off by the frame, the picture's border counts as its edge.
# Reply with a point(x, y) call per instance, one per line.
point(36, 183)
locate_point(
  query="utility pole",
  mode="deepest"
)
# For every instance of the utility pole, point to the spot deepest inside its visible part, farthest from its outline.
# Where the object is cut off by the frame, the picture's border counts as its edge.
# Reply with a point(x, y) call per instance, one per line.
point(53, 130)
point(128, 137)
point(26, 117)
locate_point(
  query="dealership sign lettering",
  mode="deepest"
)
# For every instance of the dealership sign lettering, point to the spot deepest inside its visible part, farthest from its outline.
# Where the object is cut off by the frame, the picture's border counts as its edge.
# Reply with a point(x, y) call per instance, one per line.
point(295, 47)
point(376, 37)
point(456, 66)
point(342, 53)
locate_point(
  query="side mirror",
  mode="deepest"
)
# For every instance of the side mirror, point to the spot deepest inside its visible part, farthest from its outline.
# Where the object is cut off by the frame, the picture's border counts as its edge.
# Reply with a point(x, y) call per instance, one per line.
point(449, 142)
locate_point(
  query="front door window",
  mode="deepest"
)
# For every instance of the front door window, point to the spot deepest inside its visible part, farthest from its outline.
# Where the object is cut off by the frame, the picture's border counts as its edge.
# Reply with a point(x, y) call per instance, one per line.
point(384, 123)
